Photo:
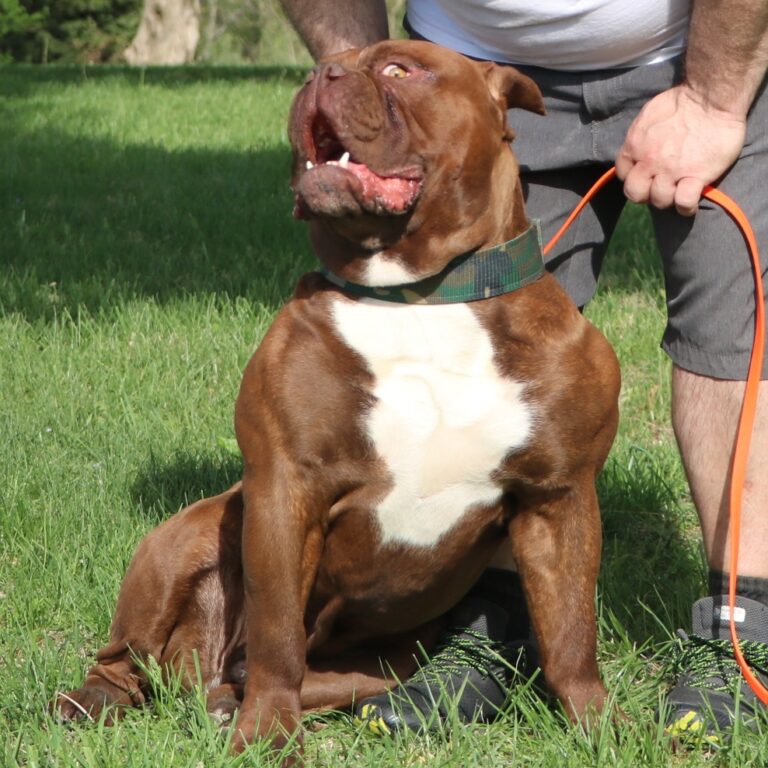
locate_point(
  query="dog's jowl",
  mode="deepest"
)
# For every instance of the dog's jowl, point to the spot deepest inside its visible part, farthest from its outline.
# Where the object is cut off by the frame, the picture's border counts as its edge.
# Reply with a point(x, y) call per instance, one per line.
point(428, 397)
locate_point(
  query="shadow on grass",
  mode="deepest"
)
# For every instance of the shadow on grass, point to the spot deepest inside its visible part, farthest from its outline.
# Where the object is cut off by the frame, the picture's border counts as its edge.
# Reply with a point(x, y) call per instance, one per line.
point(632, 261)
point(91, 227)
point(652, 571)
point(21, 79)
point(165, 485)
point(90, 224)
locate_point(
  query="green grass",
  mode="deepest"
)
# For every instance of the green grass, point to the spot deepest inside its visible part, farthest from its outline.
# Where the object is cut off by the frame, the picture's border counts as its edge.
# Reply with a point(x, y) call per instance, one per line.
point(145, 243)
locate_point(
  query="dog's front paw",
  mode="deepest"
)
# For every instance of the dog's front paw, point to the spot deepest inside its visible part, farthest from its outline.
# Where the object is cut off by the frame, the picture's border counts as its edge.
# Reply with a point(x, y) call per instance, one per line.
point(274, 720)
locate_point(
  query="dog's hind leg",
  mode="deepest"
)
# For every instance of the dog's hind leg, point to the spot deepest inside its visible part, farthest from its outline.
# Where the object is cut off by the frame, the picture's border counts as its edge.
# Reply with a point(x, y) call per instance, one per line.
point(180, 604)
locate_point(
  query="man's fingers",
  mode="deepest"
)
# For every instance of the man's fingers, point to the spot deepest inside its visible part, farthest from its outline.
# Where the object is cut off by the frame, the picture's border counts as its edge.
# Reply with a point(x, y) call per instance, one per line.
point(637, 185)
point(662, 192)
point(624, 164)
point(687, 195)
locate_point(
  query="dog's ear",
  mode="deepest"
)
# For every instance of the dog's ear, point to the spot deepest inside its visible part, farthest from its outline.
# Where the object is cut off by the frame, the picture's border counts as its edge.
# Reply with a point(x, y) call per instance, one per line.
point(514, 88)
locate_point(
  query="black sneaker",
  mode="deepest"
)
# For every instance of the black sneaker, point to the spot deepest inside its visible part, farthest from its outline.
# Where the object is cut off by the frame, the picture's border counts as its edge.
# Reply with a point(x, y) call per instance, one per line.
point(470, 672)
point(711, 693)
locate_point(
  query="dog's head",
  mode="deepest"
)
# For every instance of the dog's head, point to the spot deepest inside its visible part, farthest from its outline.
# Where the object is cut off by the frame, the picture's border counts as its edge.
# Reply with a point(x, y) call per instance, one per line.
point(401, 159)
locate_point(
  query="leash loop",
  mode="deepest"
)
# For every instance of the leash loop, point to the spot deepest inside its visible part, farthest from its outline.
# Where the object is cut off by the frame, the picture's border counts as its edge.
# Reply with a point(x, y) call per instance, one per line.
point(749, 403)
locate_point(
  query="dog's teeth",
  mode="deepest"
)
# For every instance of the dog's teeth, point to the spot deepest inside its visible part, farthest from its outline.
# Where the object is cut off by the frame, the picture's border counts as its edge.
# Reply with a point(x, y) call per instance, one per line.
point(344, 160)
point(331, 162)
point(309, 165)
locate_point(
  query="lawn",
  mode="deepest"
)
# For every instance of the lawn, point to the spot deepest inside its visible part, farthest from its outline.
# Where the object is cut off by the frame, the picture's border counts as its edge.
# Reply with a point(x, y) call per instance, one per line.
point(145, 243)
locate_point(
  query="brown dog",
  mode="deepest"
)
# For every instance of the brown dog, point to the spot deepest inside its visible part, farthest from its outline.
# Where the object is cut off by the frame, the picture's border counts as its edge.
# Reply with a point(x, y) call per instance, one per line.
point(389, 448)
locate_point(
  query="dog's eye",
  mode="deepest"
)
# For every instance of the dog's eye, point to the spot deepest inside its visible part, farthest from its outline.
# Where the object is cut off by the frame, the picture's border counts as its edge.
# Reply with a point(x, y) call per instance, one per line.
point(394, 70)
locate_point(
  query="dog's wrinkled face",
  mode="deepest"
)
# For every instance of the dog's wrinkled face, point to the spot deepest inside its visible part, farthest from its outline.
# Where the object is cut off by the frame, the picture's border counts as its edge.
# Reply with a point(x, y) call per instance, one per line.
point(397, 148)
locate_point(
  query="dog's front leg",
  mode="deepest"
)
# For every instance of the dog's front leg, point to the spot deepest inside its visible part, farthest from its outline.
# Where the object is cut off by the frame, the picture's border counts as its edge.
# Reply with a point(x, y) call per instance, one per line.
point(556, 542)
point(281, 550)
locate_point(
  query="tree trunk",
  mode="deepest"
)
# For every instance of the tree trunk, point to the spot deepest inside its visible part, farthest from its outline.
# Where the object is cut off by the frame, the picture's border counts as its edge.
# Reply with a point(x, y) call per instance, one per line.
point(168, 33)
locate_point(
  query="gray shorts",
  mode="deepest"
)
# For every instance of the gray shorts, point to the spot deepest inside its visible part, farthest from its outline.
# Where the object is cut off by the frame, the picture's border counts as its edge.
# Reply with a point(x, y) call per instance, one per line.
point(707, 272)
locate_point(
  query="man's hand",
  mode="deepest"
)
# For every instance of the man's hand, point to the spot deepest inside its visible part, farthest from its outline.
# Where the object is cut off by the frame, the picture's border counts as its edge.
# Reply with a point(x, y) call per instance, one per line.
point(690, 135)
point(676, 146)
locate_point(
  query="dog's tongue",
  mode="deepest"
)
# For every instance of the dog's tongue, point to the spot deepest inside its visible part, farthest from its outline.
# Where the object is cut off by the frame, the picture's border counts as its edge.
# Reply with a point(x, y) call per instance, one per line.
point(346, 188)
point(393, 194)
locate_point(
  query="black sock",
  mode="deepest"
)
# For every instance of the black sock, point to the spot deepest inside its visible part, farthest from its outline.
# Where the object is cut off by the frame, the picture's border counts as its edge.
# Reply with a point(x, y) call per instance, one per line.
point(751, 587)
point(504, 588)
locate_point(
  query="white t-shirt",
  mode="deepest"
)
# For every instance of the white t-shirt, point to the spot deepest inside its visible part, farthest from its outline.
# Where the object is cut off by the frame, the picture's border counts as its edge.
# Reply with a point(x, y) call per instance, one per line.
point(556, 34)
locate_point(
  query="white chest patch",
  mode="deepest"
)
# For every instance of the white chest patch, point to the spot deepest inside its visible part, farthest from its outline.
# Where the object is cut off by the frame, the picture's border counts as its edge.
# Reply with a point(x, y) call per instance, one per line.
point(381, 271)
point(444, 418)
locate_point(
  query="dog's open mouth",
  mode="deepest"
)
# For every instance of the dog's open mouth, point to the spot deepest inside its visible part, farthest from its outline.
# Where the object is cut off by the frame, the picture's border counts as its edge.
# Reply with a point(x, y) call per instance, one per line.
point(334, 182)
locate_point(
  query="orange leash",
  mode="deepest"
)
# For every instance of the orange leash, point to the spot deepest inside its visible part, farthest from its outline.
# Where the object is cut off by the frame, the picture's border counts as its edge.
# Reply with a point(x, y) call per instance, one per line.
point(749, 404)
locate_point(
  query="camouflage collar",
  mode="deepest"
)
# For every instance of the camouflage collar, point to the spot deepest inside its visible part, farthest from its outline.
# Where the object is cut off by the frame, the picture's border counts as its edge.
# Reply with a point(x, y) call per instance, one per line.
point(472, 276)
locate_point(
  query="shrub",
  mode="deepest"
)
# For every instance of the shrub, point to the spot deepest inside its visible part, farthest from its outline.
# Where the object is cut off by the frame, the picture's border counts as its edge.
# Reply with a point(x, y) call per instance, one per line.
point(66, 30)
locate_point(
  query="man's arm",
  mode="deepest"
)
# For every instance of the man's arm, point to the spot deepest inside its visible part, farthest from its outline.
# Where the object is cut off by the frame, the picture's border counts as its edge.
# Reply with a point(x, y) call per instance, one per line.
point(688, 136)
point(329, 26)
point(727, 53)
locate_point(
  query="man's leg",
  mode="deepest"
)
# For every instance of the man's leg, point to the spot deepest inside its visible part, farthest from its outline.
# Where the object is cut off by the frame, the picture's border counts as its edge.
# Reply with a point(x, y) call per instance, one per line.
point(705, 413)
point(710, 303)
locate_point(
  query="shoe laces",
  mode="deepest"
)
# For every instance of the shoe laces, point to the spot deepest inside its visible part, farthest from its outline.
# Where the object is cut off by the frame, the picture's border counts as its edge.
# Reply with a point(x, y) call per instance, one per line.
point(710, 664)
point(468, 648)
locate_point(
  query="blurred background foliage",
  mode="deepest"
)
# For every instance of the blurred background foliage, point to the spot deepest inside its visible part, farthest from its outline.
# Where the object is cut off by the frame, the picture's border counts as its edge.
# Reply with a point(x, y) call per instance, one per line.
point(83, 31)
point(98, 31)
